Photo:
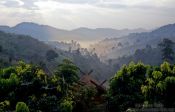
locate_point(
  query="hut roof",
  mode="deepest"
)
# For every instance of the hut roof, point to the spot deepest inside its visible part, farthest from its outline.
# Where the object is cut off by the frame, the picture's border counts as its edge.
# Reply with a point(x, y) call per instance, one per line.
point(87, 79)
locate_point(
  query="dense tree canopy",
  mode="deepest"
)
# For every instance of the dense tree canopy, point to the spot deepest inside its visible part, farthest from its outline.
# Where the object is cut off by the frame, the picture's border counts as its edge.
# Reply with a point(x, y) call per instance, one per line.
point(26, 87)
point(135, 84)
point(29, 83)
point(158, 87)
point(125, 89)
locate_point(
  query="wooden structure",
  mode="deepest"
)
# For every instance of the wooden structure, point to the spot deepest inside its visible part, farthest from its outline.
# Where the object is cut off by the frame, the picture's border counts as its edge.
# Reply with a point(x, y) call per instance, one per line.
point(87, 79)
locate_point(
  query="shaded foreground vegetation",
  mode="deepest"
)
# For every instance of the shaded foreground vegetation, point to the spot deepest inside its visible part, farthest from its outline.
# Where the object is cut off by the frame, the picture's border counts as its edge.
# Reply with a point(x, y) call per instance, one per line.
point(142, 87)
point(26, 87)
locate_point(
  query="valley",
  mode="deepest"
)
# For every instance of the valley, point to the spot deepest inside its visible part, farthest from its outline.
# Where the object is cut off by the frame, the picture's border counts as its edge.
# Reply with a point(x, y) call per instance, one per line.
point(69, 76)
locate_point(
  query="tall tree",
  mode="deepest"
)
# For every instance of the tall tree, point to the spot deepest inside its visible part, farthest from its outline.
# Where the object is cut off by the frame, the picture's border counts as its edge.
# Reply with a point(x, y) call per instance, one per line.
point(159, 84)
point(125, 89)
point(167, 49)
point(68, 72)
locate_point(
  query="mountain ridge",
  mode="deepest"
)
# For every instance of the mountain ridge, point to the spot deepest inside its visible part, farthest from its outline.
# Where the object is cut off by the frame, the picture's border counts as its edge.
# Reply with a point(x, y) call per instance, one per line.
point(49, 33)
point(117, 47)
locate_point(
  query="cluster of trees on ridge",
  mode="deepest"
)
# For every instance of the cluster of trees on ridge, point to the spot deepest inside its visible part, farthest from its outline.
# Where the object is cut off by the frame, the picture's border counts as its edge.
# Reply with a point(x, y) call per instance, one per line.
point(152, 55)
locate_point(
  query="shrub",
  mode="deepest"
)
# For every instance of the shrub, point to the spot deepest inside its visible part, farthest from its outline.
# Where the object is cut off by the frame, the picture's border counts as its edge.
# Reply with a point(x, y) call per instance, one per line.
point(22, 107)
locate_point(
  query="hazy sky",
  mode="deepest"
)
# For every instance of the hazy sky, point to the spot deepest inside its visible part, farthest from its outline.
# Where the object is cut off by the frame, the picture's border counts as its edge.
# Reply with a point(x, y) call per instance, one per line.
point(69, 14)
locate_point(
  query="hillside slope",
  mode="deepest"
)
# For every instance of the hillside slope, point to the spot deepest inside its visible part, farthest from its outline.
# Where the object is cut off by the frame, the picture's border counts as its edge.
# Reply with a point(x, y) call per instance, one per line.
point(127, 45)
point(14, 48)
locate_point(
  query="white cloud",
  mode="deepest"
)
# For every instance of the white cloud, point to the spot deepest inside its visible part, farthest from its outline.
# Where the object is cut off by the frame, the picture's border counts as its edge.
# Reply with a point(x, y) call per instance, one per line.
point(89, 13)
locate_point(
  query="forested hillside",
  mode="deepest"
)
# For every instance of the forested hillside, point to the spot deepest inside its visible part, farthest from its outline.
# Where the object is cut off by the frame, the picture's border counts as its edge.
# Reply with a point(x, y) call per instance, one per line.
point(19, 47)
point(127, 45)
point(148, 55)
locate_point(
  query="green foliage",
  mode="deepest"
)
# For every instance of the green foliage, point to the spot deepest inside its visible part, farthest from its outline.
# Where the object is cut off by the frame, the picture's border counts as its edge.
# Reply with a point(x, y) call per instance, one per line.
point(165, 67)
point(8, 82)
point(41, 91)
point(136, 83)
point(48, 103)
point(22, 107)
point(133, 84)
point(66, 105)
point(169, 98)
point(68, 74)
point(125, 89)
point(28, 83)
point(83, 98)
point(158, 87)
point(4, 106)
point(153, 88)
point(68, 71)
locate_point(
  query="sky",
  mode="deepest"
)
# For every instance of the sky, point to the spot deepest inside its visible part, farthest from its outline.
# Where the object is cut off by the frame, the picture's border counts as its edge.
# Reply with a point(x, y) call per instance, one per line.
point(70, 14)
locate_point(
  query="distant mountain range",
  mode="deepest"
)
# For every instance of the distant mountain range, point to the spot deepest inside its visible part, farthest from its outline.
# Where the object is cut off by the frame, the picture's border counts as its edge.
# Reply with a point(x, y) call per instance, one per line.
point(127, 45)
point(112, 43)
point(49, 33)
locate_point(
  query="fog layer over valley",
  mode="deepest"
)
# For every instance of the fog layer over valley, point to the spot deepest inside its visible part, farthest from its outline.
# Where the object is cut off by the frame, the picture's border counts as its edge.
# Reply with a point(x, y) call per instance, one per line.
point(85, 35)
point(108, 49)
point(19, 47)
point(112, 48)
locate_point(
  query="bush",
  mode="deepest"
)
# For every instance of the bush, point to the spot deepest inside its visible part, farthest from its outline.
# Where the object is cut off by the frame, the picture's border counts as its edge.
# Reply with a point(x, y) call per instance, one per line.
point(4, 106)
point(66, 105)
point(22, 107)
